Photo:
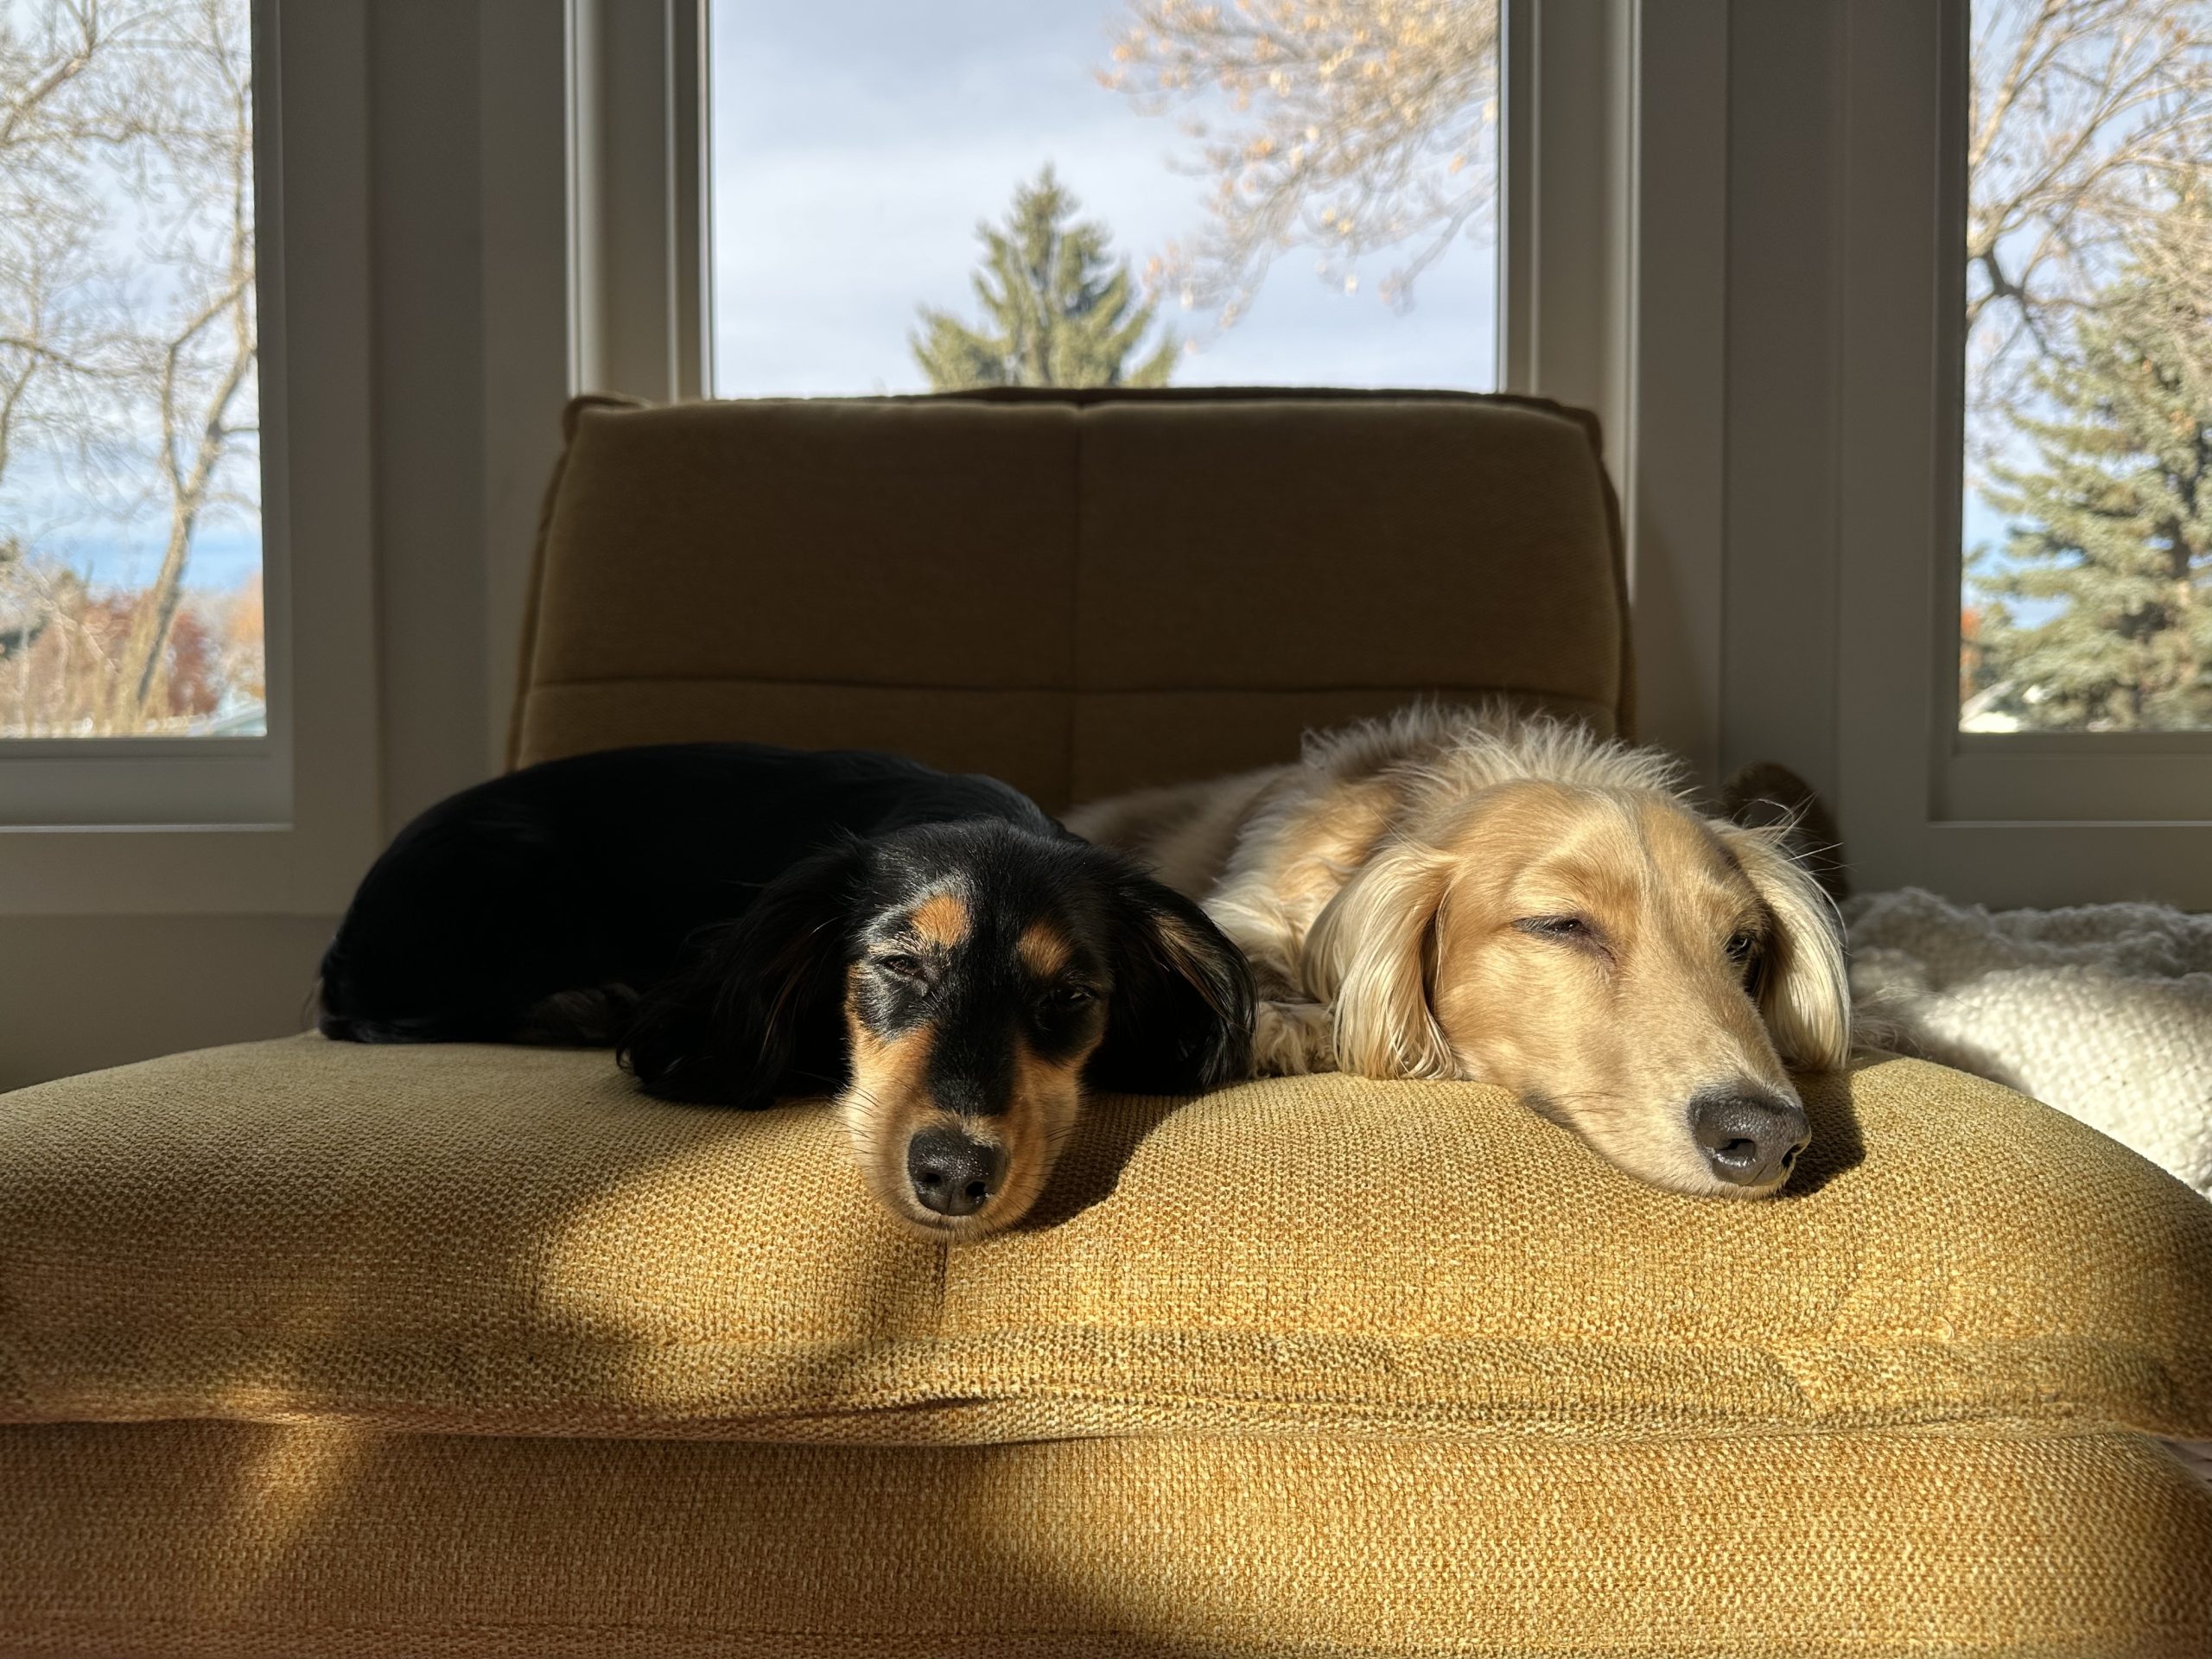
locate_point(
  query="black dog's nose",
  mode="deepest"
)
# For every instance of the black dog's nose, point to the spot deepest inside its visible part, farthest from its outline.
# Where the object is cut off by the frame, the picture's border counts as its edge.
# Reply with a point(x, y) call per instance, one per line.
point(951, 1174)
point(1749, 1140)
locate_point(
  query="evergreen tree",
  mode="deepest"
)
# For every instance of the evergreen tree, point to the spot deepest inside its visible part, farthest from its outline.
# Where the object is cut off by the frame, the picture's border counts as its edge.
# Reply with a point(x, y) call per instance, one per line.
point(1057, 310)
point(2113, 523)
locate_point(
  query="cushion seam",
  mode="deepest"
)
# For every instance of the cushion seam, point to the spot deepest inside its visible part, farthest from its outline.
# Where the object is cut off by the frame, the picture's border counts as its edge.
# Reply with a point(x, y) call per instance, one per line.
point(1070, 689)
point(1694, 1644)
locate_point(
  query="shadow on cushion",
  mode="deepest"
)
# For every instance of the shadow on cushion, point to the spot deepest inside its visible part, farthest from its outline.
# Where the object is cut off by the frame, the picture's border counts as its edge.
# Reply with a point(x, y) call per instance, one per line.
point(1838, 1147)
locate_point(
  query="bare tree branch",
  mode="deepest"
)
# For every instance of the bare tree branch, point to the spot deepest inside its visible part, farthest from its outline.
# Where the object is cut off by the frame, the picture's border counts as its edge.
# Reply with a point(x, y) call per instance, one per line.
point(23, 105)
point(2085, 116)
point(128, 341)
point(1352, 127)
point(195, 439)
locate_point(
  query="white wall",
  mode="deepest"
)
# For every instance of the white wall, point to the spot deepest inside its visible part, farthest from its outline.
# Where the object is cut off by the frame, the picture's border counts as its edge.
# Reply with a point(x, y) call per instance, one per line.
point(1779, 665)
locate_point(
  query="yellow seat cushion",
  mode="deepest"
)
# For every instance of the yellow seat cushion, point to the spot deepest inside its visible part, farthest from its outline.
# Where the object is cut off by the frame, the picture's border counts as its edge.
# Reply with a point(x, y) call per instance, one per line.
point(245, 1539)
point(514, 1242)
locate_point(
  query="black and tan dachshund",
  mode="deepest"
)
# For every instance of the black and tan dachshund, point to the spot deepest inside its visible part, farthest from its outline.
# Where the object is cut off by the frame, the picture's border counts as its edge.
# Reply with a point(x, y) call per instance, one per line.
point(749, 924)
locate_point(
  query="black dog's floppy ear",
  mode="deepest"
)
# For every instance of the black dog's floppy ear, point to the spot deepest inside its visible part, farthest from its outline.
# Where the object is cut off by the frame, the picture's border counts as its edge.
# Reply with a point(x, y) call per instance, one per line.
point(1181, 1016)
point(751, 1014)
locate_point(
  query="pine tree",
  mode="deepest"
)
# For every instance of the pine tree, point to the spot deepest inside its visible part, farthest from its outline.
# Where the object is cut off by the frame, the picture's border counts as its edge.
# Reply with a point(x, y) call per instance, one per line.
point(2113, 523)
point(1059, 310)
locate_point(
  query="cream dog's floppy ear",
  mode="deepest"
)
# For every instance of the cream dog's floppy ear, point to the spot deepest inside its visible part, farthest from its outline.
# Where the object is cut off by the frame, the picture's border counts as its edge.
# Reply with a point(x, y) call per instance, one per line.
point(1805, 989)
point(1369, 955)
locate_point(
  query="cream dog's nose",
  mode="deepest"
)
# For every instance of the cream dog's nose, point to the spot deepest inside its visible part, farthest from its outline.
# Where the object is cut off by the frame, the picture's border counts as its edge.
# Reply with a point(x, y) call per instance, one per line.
point(1749, 1140)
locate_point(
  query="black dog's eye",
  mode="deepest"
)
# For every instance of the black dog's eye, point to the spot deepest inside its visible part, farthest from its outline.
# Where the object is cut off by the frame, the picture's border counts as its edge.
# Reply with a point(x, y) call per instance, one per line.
point(1555, 927)
point(1068, 997)
point(899, 965)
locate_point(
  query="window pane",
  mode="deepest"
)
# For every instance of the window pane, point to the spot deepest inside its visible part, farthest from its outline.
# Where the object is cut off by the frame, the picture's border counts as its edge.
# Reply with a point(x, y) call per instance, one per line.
point(2088, 593)
point(130, 459)
point(1098, 192)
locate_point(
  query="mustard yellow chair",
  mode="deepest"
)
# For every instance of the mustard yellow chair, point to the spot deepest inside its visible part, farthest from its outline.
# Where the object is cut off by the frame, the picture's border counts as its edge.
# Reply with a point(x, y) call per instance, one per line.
point(307, 1349)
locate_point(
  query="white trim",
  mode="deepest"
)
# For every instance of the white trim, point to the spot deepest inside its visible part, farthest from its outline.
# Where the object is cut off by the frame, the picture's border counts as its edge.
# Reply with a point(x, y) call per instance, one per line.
point(302, 848)
point(638, 197)
point(580, 28)
point(1778, 684)
point(691, 282)
point(525, 72)
point(1615, 278)
point(1675, 435)
point(1563, 273)
point(702, 245)
point(1518, 98)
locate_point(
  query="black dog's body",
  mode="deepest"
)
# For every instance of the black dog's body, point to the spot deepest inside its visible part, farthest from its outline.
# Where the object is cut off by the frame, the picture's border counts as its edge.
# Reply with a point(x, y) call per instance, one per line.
point(590, 874)
point(750, 923)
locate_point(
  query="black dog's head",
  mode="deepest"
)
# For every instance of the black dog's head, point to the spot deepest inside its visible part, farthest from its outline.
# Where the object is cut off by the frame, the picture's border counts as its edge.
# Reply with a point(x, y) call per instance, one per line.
point(955, 985)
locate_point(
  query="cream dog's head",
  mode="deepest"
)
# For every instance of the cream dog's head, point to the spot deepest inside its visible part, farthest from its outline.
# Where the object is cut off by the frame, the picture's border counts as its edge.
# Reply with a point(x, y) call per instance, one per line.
point(1631, 970)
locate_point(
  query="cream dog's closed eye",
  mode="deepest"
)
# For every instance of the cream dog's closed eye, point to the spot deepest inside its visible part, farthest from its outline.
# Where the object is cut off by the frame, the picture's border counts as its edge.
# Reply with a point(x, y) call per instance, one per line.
point(1474, 894)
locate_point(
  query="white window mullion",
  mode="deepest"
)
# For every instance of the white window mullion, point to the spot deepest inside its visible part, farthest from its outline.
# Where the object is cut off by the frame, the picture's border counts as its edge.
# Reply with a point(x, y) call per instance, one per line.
point(1615, 275)
point(638, 122)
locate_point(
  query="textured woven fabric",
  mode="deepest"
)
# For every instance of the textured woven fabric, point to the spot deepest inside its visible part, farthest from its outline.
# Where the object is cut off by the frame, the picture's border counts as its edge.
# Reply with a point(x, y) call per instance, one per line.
point(205, 1539)
point(1079, 592)
point(2103, 1010)
point(511, 1241)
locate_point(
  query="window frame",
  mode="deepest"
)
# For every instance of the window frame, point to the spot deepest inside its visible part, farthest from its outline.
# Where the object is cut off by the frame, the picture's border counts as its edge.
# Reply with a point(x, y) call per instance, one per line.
point(281, 823)
point(2028, 818)
point(1613, 286)
point(640, 208)
point(2014, 775)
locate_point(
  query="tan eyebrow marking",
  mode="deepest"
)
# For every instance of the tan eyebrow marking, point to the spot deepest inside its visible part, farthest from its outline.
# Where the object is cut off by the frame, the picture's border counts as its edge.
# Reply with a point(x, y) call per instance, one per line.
point(1043, 950)
point(942, 920)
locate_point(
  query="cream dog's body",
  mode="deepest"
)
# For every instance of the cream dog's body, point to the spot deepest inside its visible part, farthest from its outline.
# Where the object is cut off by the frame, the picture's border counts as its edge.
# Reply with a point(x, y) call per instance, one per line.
point(1470, 893)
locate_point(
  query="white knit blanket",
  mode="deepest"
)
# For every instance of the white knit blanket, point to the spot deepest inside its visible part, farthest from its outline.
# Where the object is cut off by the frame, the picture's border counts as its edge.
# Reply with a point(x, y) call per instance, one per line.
point(2104, 1011)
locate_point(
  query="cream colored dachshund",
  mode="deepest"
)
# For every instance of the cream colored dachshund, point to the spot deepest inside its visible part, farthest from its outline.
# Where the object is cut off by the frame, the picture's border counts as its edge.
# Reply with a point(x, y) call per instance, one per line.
point(1454, 892)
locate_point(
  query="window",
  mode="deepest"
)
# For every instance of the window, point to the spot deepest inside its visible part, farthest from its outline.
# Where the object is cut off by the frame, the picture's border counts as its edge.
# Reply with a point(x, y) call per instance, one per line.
point(240, 781)
point(906, 198)
point(130, 547)
point(2087, 601)
point(2001, 761)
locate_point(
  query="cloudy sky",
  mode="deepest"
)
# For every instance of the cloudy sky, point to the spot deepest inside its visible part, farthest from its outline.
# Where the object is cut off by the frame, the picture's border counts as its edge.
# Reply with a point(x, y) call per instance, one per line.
point(856, 146)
